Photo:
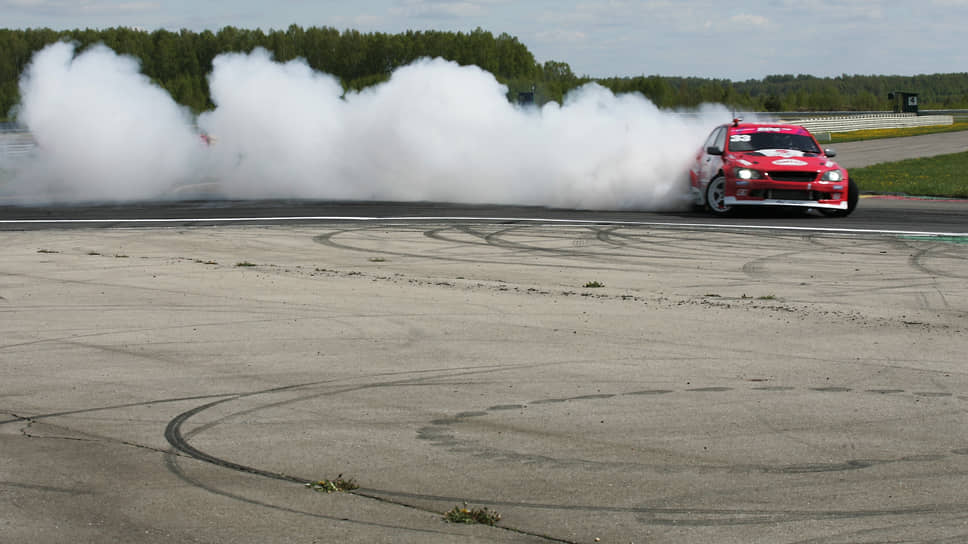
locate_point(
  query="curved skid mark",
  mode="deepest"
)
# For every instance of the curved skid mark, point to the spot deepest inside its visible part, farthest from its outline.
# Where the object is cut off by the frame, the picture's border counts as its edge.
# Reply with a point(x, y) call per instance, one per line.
point(918, 261)
point(328, 240)
point(438, 433)
point(171, 462)
point(491, 240)
point(178, 441)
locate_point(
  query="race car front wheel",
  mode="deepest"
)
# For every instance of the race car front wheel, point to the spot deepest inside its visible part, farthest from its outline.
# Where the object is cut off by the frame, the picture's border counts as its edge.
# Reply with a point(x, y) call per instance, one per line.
point(716, 196)
point(852, 197)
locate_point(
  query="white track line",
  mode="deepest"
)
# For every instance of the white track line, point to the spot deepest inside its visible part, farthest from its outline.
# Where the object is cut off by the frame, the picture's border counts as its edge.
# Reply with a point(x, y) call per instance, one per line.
point(490, 219)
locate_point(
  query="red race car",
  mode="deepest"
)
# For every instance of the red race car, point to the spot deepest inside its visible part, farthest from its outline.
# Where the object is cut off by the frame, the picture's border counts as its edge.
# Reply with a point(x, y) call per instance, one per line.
point(769, 164)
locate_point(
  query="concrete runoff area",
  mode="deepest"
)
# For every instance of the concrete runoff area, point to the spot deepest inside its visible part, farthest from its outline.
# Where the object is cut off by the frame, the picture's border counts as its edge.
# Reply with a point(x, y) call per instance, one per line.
point(590, 383)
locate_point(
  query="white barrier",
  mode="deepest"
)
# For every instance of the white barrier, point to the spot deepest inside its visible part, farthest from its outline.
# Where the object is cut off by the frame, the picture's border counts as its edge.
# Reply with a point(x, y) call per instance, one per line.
point(15, 144)
point(848, 123)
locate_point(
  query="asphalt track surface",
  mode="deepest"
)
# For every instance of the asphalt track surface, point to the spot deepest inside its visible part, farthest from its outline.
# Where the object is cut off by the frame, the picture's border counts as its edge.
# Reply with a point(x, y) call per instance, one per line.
point(866, 153)
point(613, 377)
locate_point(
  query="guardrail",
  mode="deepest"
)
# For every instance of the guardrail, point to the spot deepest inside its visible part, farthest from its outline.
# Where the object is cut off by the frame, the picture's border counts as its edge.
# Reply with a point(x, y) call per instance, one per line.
point(850, 123)
point(15, 144)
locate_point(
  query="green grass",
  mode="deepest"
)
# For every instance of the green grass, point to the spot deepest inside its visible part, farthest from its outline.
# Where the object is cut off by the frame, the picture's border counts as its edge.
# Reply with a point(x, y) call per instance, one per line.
point(338, 485)
point(940, 176)
point(472, 515)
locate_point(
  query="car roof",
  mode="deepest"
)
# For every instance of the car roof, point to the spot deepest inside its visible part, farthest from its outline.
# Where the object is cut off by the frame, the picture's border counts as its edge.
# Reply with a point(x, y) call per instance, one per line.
point(746, 128)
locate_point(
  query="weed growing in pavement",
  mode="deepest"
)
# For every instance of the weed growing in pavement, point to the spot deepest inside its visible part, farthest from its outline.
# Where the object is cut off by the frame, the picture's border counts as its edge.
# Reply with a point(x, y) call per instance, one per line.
point(47, 251)
point(333, 486)
point(244, 263)
point(594, 285)
point(477, 515)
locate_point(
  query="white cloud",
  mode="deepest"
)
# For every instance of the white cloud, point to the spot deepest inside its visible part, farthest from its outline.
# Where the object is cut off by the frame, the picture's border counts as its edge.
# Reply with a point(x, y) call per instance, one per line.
point(83, 7)
point(139, 6)
point(561, 36)
point(747, 19)
point(435, 8)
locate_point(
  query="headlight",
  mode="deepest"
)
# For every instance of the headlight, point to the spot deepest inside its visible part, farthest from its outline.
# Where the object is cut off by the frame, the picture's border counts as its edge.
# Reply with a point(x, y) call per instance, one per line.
point(747, 173)
point(832, 175)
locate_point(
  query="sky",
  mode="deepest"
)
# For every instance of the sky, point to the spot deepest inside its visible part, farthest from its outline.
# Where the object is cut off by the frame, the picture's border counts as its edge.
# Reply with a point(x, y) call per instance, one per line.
point(597, 38)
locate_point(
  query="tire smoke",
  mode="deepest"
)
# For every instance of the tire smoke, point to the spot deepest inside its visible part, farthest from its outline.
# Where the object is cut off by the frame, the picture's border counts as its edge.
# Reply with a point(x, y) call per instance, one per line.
point(436, 131)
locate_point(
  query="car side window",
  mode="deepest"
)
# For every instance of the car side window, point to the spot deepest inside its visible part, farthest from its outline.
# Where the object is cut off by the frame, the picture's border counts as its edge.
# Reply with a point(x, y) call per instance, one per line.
point(721, 138)
point(711, 140)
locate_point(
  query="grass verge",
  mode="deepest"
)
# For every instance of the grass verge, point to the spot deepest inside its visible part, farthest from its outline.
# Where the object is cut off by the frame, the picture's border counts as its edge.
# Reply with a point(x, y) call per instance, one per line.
point(940, 176)
point(878, 134)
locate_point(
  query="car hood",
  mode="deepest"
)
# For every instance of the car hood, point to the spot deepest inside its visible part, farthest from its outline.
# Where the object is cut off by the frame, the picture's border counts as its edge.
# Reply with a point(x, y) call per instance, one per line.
point(782, 159)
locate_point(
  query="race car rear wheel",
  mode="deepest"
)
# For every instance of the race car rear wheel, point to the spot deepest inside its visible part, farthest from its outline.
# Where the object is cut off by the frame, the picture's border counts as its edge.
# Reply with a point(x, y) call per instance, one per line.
point(716, 196)
point(852, 197)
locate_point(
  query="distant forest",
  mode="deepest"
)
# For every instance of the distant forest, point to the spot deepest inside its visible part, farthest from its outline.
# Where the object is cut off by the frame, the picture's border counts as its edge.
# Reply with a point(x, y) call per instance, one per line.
point(180, 62)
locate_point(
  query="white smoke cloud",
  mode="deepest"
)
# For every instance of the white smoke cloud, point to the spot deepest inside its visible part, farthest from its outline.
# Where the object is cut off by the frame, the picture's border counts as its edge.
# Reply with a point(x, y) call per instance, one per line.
point(104, 131)
point(435, 131)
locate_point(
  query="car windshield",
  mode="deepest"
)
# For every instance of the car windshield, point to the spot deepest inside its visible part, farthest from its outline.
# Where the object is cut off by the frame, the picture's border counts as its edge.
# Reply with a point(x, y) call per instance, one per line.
point(772, 140)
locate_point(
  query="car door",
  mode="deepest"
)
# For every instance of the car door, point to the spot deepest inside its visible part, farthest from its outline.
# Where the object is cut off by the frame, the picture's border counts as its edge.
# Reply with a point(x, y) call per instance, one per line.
point(698, 166)
point(710, 164)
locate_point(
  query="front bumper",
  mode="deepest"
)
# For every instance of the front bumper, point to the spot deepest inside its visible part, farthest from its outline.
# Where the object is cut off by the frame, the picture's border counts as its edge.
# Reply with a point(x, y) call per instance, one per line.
point(733, 201)
point(814, 194)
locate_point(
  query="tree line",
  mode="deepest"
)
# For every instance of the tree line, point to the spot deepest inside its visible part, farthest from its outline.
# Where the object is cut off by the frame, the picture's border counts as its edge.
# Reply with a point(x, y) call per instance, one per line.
point(180, 62)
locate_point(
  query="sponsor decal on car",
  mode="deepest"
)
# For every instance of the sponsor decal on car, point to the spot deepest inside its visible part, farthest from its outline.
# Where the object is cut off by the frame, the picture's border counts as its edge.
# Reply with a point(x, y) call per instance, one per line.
point(784, 153)
point(790, 162)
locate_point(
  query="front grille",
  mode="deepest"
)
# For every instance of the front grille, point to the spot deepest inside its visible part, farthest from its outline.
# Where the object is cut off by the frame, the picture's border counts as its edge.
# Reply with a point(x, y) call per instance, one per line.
point(790, 194)
point(793, 176)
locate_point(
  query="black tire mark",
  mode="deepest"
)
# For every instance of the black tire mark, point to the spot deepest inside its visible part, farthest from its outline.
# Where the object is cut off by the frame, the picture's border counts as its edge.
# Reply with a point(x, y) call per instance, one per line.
point(179, 443)
point(918, 261)
point(171, 462)
point(328, 239)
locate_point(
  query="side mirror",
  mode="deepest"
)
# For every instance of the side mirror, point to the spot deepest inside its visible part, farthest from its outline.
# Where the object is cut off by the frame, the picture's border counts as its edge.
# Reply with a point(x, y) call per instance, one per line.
point(830, 153)
point(714, 150)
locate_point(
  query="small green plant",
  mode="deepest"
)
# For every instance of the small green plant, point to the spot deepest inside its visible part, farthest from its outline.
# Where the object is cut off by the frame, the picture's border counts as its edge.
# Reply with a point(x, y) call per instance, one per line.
point(244, 263)
point(333, 486)
point(463, 514)
point(594, 285)
point(47, 251)
point(93, 253)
